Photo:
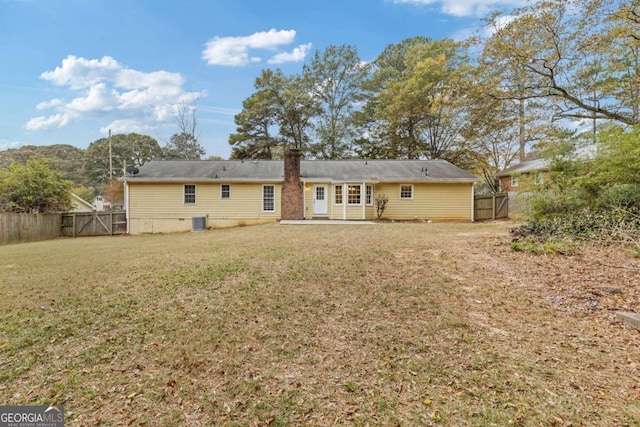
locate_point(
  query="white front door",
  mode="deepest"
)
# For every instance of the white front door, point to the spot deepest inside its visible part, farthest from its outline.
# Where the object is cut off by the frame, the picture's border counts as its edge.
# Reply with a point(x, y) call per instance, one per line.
point(319, 199)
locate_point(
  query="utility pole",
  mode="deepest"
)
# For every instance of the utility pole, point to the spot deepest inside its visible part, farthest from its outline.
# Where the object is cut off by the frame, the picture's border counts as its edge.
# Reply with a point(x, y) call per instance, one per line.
point(110, 158)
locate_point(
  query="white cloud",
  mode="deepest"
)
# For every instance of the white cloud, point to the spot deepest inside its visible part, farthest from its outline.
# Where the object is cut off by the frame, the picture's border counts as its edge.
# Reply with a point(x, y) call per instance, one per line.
point(45, 105)
point(296, 55)
point(234, 51)
point(126, 126)
point(79, 73)
point(499, 23)
point(97, 98)
point(219, 110)
point(465, 7)
point(49, 122)
point(105, 85)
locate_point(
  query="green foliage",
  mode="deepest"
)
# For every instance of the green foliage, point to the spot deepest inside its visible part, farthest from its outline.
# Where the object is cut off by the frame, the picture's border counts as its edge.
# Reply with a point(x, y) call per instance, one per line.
point(183, 146)
point(85, 193)
point(33, 187)
point(539, 45)
point(417, 102)
point(591, 200)
point(544, 247)
point(131, 150)
point(253, 138)
point(280, 102)
point(336, 77)
point(64, 158)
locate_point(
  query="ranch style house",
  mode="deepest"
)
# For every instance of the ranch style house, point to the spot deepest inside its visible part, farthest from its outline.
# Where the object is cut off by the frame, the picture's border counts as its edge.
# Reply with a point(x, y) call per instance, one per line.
point(168, 195)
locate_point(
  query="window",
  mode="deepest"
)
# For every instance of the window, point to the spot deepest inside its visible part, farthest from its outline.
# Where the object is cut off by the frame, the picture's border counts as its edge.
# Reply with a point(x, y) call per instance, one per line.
point(268, 198)
point(538, 179)
point(189, 194)
point(338, 194)
point(406, 191)
point(225, 191)
point(353, 194)
point(369, 195)
point(515, 180)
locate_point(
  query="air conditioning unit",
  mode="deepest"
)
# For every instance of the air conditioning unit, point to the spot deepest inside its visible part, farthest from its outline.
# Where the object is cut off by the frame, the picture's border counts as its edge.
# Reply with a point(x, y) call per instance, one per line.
point(199, 223)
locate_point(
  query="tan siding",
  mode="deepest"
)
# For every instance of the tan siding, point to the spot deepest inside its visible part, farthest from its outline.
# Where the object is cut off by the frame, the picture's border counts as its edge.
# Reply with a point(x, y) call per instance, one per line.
point(449, 201)
point(158, 208)
point(245, 203)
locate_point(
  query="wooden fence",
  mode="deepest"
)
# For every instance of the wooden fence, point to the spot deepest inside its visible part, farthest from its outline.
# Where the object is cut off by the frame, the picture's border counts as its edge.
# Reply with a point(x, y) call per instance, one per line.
point(25, 227)
point(493, 206)
point(94, 223)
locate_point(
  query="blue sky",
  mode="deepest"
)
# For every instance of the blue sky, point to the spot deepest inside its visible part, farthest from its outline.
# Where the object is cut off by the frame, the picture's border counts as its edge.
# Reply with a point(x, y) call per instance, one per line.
point(73, 69)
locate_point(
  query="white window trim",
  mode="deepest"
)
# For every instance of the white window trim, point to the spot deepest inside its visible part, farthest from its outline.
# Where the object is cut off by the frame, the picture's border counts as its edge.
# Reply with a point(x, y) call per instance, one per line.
point(412, 191)
point(335, 193)
point(354, 204)
point(515, 180)
point(221, 193)
point(274, 198)
point(184, 194)
point(368, 203)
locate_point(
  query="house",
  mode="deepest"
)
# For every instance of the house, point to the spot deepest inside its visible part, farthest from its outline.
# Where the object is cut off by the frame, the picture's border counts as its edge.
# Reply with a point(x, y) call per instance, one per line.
point(101, 204)
point(166, 195)
point(78, 204)
point(522, 176)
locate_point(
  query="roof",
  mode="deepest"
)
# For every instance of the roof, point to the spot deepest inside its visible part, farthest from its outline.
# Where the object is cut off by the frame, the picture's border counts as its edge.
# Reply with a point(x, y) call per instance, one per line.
point(586, 151)
point(78, 203)
point(525, 167)
point(310, 170)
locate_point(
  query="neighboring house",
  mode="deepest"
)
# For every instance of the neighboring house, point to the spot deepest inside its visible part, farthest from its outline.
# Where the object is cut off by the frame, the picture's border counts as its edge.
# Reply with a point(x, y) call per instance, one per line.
point(166, 195)
point(101, 204)
point(521, 177)
point(78, 204)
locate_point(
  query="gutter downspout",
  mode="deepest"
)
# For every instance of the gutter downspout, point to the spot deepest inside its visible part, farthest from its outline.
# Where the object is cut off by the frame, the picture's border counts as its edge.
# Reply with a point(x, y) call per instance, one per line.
point(126, 204)
point(473, 201)
point(364, 200)
point(344, 200)
point(304, 199)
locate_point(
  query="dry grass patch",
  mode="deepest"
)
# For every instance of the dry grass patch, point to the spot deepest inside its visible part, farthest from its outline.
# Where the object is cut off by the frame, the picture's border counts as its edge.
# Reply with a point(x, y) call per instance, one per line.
point(392, 324)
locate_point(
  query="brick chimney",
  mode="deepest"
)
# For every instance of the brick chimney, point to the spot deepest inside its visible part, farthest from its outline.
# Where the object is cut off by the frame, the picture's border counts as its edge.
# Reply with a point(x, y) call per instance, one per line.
point(292, 206)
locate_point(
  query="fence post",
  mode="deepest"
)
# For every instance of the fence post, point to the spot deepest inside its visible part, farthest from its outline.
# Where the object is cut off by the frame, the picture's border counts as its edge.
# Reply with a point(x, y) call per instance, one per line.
point(74, 226)
point(493, 207)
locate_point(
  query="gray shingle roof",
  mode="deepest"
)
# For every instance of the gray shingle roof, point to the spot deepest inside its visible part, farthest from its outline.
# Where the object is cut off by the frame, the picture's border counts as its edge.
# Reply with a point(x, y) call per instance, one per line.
point(526, 167)
point(311, 170)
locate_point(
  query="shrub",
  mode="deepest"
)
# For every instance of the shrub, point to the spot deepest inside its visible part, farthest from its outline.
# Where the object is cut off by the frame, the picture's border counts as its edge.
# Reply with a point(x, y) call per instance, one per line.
point(381, 203)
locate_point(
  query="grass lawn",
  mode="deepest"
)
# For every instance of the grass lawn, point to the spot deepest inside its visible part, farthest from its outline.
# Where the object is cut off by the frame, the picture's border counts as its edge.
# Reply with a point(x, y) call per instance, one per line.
point(390, 324)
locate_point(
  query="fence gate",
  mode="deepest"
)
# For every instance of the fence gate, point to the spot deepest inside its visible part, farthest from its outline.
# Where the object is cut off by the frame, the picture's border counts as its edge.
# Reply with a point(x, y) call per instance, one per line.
point(495, 206)
point(94, 223)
